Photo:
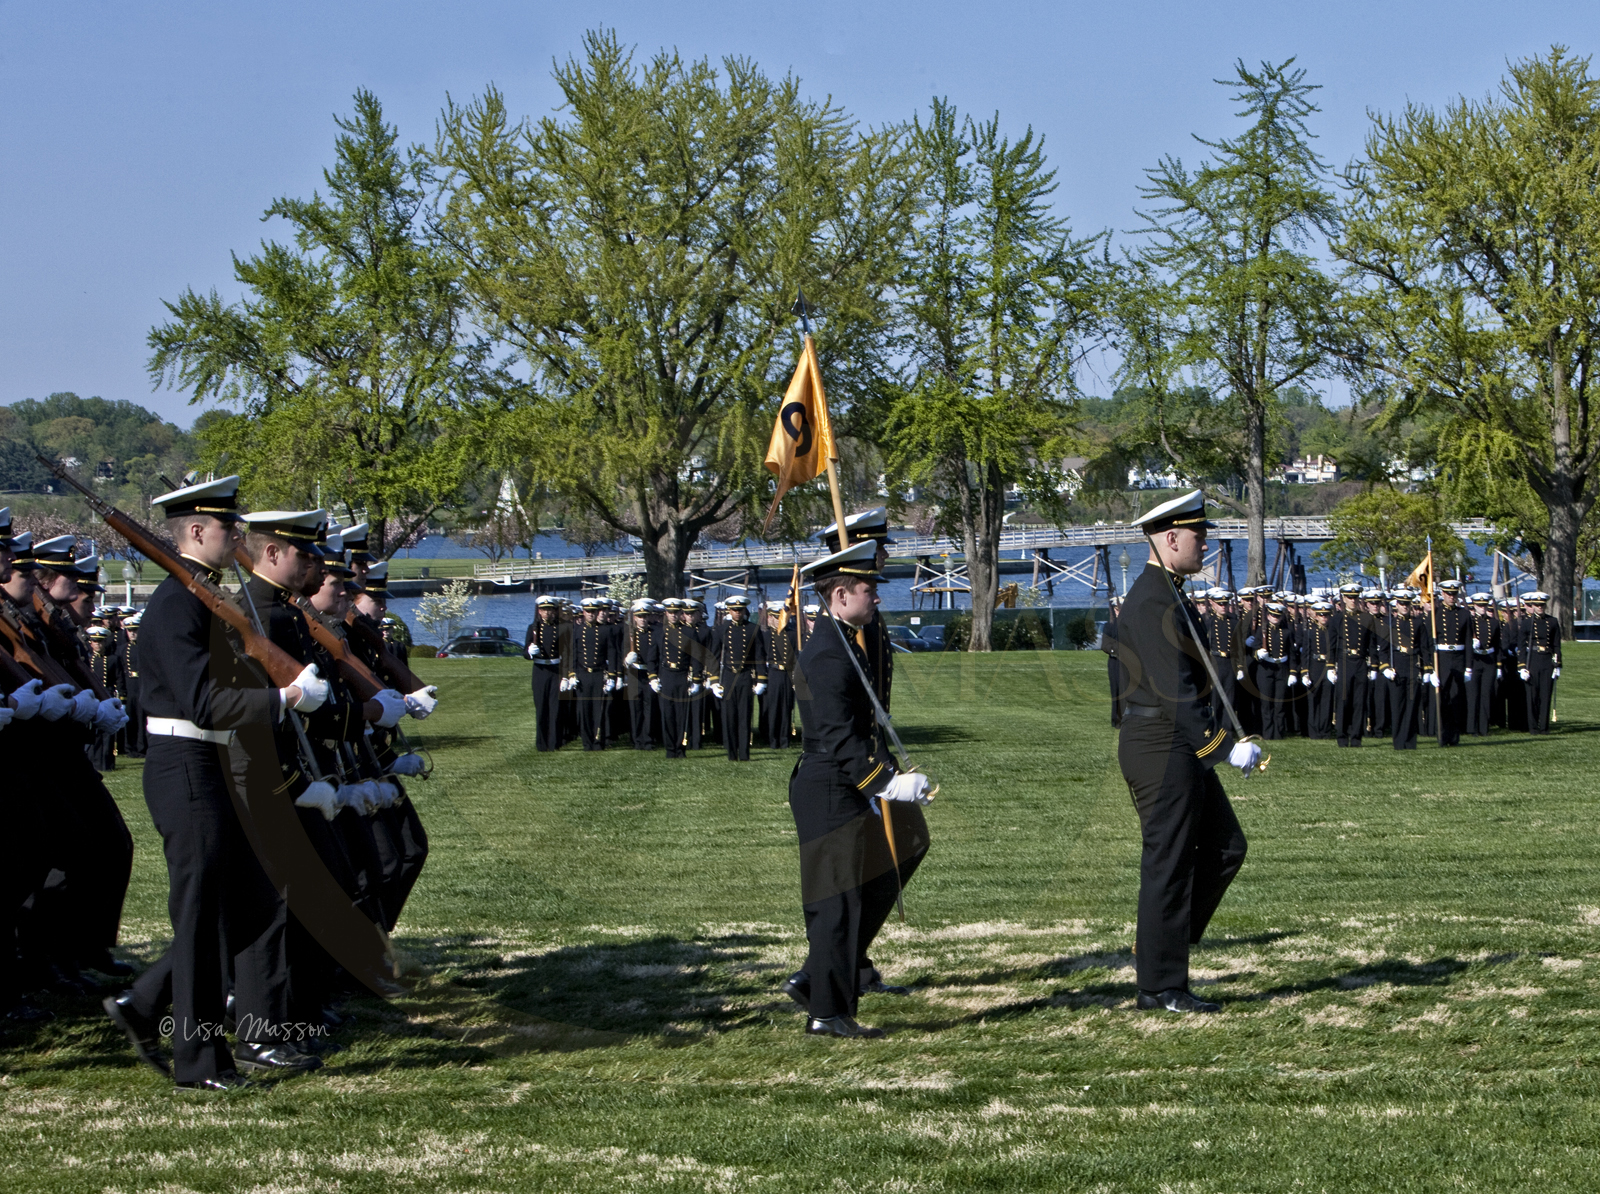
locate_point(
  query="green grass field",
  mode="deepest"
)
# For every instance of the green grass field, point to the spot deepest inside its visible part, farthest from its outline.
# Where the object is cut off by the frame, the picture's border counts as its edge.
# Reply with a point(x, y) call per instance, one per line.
point(1409, 962)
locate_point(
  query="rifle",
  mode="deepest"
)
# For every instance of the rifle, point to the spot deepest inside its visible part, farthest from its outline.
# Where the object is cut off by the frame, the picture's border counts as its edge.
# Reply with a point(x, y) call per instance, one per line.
point(58, 622)
point(280, 666)
point(356, 674)
point(13, 674)
point(405, 679)
point(27, 650)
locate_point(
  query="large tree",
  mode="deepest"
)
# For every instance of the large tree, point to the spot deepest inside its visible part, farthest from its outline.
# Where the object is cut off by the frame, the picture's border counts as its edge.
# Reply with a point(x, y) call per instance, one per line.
point(998, 300)
point(1473, 238)
point(642, 250)
point(347, 359)
point(1226, 305)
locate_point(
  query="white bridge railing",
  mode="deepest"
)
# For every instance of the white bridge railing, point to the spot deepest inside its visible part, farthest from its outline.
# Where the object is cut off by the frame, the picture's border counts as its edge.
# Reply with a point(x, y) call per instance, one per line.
point(775, 555)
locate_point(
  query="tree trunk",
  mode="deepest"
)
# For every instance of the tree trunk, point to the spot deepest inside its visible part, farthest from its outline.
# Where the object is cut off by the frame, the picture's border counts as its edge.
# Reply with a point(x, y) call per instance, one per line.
point(983, 554)
point(1558, 572)
point(1255, 489)
point(665, 547)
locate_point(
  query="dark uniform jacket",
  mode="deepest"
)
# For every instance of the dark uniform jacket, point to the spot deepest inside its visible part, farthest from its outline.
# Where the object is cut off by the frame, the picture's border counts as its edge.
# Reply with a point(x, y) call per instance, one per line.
point(840, 730)
point(554, 638)
point(740, 648)
point(1540, 637)
point(1352, 639)
point(1412, 646)
point(594, 649)
point(781, 648)
point(673, 647)
point(1163, 665)
point(1451, 626)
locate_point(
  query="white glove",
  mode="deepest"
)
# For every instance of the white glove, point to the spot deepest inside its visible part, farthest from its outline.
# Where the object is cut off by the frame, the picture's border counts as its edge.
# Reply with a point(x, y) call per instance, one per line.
point(1430, 678)
point(1239, 675)
point(388, 795)
point(1475, 645)
point(1388, 673)
point(907, 786)
point(1372, 674)
point(109, 716)
point(655, 683)
point(408, 765)
point(420, 703)
point(6, 714)
point(1555, 673)
point(1333, 675)
point(1293, 679)
point(1523, 672)
point(393, 707)
point(568, 683)
point(55, 703)
point(28, 699)
point(533, 649)
point(1245, 756)
point(1468, 674)
point(1261, 653)
point(313, 689)
point(694, 690)
point(613, 683)
point(84, 707)
point(760, 688)
point(716, 689)
point(631, 659)
point(321, 797)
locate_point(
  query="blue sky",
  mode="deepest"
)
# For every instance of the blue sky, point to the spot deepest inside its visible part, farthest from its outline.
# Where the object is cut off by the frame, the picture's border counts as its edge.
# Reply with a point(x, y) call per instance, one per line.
point(141, 141)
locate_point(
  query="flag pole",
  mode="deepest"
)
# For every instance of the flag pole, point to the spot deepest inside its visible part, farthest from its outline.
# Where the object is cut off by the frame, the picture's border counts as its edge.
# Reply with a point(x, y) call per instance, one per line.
point(803, 310)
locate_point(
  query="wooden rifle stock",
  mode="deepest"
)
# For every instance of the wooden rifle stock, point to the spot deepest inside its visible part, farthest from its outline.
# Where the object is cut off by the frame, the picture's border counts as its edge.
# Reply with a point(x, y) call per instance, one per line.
point(399, 674)
point(28, 652)
point(356, 674)
point(279, 664)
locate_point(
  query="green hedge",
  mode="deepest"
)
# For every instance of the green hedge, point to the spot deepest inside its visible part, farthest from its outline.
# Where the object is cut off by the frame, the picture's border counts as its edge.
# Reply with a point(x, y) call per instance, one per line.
point(1026, 632)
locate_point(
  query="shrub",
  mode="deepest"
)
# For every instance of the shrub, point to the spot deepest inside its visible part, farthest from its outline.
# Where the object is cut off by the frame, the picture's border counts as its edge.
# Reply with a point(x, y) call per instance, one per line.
point(1025, 632)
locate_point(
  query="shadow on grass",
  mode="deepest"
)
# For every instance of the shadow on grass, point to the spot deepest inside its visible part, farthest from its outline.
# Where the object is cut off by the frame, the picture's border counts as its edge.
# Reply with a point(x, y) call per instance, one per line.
point(934, 735)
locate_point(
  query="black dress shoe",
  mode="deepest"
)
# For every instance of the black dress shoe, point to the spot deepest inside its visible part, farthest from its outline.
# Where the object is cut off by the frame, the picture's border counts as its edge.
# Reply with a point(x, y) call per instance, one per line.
point(104, 963)
point(274, 1059)
point(872, 984)
point(842, 1026)
point(25, 1011)
point(798, 988)
point(1174, 999)
point(226, 1081)
point(142, 1033)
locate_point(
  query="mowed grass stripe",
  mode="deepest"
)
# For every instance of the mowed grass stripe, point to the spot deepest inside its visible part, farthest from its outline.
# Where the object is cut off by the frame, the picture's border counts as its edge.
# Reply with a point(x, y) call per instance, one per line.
point(1409, 965)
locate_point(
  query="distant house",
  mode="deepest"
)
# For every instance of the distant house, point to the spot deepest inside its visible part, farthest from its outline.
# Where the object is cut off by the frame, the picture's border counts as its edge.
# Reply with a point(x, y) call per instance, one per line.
point(1139, 478)
point(1308, 470)
point(106, 470)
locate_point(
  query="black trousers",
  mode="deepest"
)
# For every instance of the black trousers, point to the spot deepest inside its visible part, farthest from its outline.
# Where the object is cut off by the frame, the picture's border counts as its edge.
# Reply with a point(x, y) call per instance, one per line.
point(1228, 686)
point(1319, 702)
point(592, 700)
point(77, 912)
point(735, 708)
point(1350, 701)
point(223, 911)
point(777, 708)
point(676, 711)
point(402, 850)
point(1541, 688)
point(641, 711)
point(1406, 691)
point(1452, 696)
point(547, 706)
point(1480, 694)
point(1273, 680)
point(698, 713)
point(1192, 847)
point(847, 879)
point(1380, 697)
point(23, 867)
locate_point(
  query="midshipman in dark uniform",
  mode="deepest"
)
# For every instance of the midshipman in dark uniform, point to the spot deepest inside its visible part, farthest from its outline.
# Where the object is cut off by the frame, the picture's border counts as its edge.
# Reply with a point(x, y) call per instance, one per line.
point(1484, 665)
point(547, 641)
point(673, 665)
point(1451, 627)
point(777, 706)
point(842, 787)
point(1351, 630)
point(741, 654)
point(1540, 650)
point(1168, 749)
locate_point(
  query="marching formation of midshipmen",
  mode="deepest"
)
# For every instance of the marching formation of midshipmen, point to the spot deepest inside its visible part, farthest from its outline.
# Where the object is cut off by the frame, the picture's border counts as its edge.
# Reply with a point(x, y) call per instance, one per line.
point(1374, 663)
point(662, 673)
point(273, 758)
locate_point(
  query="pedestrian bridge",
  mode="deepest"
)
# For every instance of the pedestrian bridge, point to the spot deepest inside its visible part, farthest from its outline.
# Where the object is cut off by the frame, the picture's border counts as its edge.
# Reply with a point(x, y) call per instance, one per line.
point(1305, 529)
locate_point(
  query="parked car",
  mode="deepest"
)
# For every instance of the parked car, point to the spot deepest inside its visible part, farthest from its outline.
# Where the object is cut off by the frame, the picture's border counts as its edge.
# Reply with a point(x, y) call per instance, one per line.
point(905, 639)
point(477, 648)
point(933, 635)
point(481, 632)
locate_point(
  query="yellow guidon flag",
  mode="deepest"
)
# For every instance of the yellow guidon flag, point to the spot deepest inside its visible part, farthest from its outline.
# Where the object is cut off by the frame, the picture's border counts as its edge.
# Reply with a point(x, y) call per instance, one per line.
point(1421, 577)
point(802, 438)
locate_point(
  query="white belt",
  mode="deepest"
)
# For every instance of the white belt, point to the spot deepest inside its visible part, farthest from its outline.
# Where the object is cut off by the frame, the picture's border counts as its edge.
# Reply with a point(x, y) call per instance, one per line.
point(176, 727)
point(1449, 647)
point(556, 662)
